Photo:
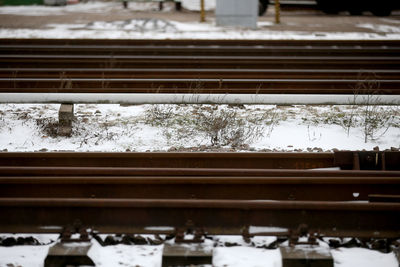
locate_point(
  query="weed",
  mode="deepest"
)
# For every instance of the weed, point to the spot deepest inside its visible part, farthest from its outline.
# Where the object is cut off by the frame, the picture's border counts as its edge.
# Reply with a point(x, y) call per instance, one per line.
point(49, 126)
point(226, 127)
point(221, 126)
point(159, 115)
point(374, 120)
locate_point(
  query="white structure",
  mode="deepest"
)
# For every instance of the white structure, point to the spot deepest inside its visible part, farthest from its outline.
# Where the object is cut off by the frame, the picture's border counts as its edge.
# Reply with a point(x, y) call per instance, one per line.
point(251, 99)
point(237, 13)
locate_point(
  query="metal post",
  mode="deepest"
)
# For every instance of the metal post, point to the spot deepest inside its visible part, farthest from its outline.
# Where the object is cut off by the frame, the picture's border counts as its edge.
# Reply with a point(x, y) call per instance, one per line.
point(277, 12)
point(202, 12)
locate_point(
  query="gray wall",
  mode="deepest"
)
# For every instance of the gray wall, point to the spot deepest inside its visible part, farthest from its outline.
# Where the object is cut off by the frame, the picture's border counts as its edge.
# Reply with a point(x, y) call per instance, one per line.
point(243, 13)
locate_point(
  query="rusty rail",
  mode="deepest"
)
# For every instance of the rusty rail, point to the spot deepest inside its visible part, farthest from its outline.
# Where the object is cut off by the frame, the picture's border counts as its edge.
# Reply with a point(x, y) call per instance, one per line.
point(222, 193)
point(170, 160)
point(320, 188)
point(379, 220)
point(198, 66)
point(347, 160)
point(217, 86)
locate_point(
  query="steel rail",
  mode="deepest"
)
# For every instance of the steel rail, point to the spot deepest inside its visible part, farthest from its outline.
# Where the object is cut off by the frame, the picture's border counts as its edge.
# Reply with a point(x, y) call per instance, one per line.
point(255, 63)
point(259, 50)
point(342, 219)
point(50, 170)
point(203, 187)
point(198, 57)
point(260, 161)
point(170, 160)
point(193, 73)
point(193, 42)
point(208, 86)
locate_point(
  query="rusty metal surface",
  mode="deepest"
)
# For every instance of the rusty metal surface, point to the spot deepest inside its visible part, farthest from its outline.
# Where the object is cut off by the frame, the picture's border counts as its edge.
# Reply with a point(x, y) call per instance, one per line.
point(156, 171)
point(35, 61)
point(215, 216)
point(217, 86)
point(223, 193)
point(367, 160)
point(170, 160)
point(178, 66)
point(164, 187)
point(196, 73)
point(258, 47)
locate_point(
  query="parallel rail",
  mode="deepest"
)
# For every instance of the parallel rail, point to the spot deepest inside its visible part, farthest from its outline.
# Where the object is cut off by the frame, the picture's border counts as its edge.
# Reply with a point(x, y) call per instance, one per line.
point(342, 219)
point(221, 193)
point(199, 66)
point(308, 188)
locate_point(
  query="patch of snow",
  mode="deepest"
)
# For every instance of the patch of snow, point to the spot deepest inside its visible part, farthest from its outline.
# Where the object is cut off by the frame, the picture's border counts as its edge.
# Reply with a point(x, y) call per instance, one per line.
point(380, 27)
point(41, 238)
point(194, 5)
point(38, 10)
point(165, 29)
point(26, 256)
point(151, 256)
point(141, 25)
point(125, 255)
point(350, 257)
point(246, 256)
point(111, 127)
point(60, 32)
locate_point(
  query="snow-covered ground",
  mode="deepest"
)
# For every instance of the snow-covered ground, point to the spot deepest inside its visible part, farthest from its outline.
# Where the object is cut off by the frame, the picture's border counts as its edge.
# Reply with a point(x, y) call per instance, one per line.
point(152, 28)
point(109, 127)
point(28, 127)
point(240, 255)
point(169, 29)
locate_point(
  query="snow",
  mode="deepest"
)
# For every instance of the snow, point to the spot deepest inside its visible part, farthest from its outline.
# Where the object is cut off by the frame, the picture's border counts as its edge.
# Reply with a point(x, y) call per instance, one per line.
point(380, 27)
point(151, 256)
point(39, 10)
point(112, 127)
point(125, 255)
point(168, 29)
point(246, 256)
point(100, 127)
point(350, 257)
point(150, 28)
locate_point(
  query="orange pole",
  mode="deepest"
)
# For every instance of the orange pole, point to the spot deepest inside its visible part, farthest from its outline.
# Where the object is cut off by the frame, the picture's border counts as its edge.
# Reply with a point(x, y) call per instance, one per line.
point(202, 12)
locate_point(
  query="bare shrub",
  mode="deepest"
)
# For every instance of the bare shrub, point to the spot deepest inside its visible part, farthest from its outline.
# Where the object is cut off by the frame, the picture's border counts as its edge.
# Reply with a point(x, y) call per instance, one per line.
point(159, 115)
point(220, 125)
point(374, 120)
point(226, 127)
point(49, 126)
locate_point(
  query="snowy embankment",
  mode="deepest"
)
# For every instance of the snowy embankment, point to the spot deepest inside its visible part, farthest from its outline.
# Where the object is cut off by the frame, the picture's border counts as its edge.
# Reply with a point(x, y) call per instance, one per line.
point(112, 127)
point(152, 28)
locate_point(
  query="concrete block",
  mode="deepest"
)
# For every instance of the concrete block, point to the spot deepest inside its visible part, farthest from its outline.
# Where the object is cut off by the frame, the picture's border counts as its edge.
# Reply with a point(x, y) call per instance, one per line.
point(237, 13)
point(66, 114)
point(65, 118)
point(306, 256)
point(186, 255)
point(69, 254)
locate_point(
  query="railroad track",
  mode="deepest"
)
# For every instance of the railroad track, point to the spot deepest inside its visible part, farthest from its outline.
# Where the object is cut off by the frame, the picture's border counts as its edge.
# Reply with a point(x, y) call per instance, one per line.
point(198, 66)
point(223, 193)
point(235, 189)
